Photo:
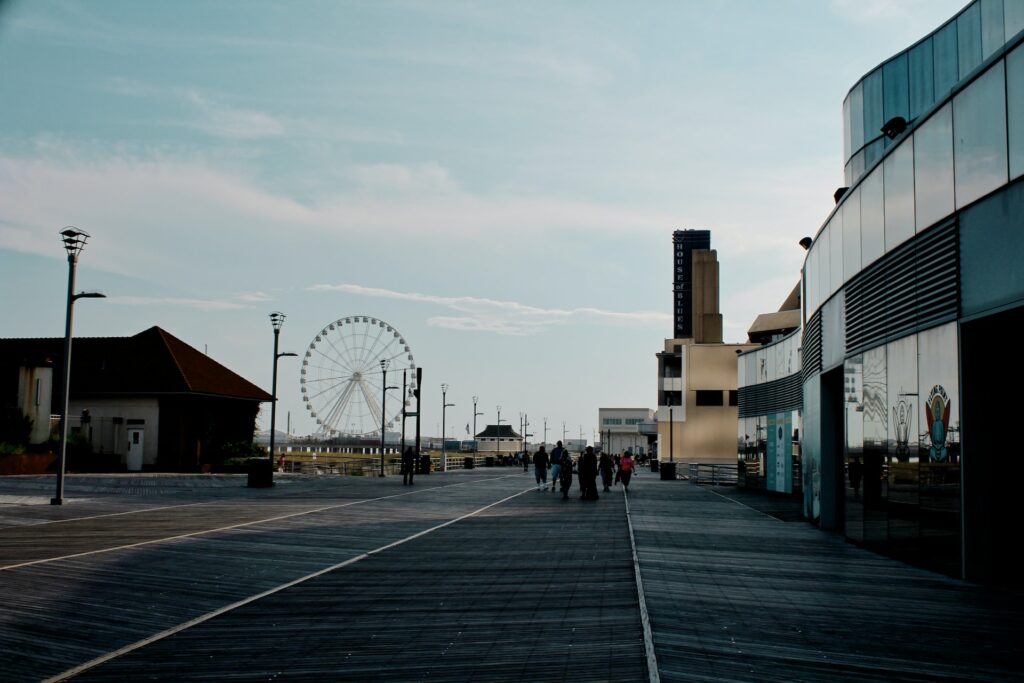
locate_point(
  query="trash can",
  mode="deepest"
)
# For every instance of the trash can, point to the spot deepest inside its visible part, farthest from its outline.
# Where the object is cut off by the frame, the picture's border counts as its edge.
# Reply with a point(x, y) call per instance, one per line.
point(654, 466)
point(668, 471)
point(468, 462)
point(489, 461)
point(261, 473)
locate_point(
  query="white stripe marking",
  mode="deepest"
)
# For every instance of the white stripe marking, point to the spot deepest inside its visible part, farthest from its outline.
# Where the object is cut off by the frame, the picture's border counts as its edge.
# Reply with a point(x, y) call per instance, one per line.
point(652, 659)
point(236, 526)
point(103, 659)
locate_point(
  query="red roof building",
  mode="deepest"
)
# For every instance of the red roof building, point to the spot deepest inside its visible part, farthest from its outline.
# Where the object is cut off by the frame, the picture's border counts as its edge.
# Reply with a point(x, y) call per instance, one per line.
point(150, 400)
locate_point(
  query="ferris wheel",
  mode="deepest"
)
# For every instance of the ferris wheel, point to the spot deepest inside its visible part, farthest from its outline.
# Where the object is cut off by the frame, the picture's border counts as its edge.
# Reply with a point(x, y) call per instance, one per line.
point(343, 371)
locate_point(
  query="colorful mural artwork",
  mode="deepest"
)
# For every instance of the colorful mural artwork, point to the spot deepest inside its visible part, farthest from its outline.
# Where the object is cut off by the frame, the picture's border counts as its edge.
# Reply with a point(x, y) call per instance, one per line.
point(937, 411)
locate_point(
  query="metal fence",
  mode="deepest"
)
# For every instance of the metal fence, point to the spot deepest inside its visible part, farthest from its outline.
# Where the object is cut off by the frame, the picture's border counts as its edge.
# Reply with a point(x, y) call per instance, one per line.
point(713, 474)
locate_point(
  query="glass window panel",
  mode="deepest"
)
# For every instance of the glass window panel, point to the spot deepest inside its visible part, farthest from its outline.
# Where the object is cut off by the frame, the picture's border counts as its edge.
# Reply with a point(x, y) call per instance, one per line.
point(856, 167)
point(857, 117)
point(872, 217)
point(895, 90)
point(873, 153)
point(846, 129)
point(922, 79)
point(835, 266)
point(898, 170)
point(872, 106)
point(979, 147)
point(944, 49)
point(933, 168)
point(1013, 18)
point(848, 174)
point(824, 271)
point(1015, 108)
point(903, 408)
point(853, 395)
point(851, 235)
point(992, 35)
point(939, 450)
point(876, 436)
point(968, 39)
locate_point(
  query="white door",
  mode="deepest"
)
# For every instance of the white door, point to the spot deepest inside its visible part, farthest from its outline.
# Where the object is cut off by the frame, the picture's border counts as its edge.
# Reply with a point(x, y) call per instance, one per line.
point(135, 443)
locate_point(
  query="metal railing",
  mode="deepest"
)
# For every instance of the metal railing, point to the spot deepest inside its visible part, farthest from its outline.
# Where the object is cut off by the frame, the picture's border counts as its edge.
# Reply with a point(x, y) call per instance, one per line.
point(713, 474)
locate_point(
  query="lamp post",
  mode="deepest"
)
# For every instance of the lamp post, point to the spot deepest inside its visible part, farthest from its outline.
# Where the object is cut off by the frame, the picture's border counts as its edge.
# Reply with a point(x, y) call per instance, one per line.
point(475, 413)
point(498, 437)
point(545, 431)
point(276, 321)
point(671, 431)
point(74, 241)
point(383, 403)
point(444, 409)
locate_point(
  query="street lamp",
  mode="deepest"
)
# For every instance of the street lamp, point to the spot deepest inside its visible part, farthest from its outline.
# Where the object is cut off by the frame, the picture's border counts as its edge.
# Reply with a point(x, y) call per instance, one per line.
point(671, 430)
point(276, 321)
point(444, 408)
point(74, 241)
point(475, 413)
point(384, 363)
point(497, 457)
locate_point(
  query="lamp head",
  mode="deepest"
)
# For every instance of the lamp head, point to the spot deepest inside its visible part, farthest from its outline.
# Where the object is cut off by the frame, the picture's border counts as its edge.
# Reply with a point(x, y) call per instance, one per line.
point(276, 320)
point(74, 240)
point(384, 363)
point(444, 388)
point(806, 243)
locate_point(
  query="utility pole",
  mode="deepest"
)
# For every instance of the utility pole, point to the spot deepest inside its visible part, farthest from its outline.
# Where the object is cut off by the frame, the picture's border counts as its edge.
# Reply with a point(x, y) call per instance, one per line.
point(475, 413)
point(545, 431)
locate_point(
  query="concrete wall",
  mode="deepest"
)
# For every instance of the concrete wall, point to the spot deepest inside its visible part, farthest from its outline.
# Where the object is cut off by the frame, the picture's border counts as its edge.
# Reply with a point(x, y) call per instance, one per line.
point(110, 437)
point(35, 394)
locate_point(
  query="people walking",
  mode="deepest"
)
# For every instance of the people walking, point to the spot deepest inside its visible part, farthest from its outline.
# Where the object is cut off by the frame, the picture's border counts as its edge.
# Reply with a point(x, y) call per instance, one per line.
point(526, 460)
point(565, 473)
point(588, 475)
point(626, 469)
point(540, 468)
point(556, 464)
point(408, 466)
point(606, 466)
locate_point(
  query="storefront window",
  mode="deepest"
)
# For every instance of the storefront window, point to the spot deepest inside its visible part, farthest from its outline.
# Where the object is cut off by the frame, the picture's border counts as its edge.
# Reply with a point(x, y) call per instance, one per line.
point(903, 409)
point(853, 408)
point(876, 435)
point(979, 119)
point(898, 176)
point(933, 168)
point(939, 449)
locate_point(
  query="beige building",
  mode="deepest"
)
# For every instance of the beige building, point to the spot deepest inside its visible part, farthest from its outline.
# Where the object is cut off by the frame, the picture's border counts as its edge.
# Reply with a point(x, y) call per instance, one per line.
point(697, 388)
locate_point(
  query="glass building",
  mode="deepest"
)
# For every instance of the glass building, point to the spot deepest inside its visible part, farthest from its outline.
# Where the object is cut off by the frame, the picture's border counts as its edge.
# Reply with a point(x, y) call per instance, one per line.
point(911, 289)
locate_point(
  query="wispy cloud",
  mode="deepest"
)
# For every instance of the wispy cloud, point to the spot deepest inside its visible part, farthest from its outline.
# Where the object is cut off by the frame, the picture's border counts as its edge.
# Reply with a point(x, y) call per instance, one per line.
point(874, 11)
point(503, 317)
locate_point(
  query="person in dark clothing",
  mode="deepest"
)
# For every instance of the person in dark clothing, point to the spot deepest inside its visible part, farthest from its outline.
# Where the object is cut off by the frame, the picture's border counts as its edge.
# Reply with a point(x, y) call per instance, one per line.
point(540, 468)
point(526, 460)
point(408, 466)
point(565, 474)
point(606, 466)
point(556, 464)
point(588, 475)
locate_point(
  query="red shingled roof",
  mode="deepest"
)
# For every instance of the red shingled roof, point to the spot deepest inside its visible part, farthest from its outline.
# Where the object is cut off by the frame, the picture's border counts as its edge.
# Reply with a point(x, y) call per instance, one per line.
point(151, 362)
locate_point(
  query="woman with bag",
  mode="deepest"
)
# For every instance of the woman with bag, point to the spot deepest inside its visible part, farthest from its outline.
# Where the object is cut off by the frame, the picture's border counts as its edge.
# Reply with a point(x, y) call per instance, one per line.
point(626, 469)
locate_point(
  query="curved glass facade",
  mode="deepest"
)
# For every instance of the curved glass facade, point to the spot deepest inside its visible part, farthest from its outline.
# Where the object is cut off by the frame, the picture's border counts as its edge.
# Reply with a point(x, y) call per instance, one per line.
point(910, 83)
point(903, 391)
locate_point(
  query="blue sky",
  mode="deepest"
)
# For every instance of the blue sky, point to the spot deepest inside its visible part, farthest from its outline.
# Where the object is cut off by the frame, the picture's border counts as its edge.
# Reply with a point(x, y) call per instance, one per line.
point(499, 181)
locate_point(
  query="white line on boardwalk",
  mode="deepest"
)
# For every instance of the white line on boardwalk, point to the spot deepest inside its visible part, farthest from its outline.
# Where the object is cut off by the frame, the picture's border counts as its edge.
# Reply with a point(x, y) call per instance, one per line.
point(652, 659)
point(733, 500)
point(109, 514)
point(239, 525)
point(81, 668)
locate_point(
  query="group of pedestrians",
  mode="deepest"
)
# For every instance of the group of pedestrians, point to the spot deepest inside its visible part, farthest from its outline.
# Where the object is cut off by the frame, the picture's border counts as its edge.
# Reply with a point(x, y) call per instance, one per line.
point(589, 466)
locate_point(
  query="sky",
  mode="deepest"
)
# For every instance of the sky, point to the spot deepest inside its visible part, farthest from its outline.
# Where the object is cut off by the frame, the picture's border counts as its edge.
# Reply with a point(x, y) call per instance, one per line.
point(499, 181)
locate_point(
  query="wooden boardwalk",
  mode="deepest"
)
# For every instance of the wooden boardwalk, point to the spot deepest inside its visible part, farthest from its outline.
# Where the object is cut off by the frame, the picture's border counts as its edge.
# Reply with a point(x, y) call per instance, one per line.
point(468, 576)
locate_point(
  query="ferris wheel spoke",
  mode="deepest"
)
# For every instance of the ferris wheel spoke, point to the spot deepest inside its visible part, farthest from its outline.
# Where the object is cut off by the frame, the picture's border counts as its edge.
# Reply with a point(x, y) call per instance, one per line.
point(330, 388)
point(335, 361)
point(341, 355)
point(339, 406)
point(326, 379)
point(371, 403)
point(369, 350)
